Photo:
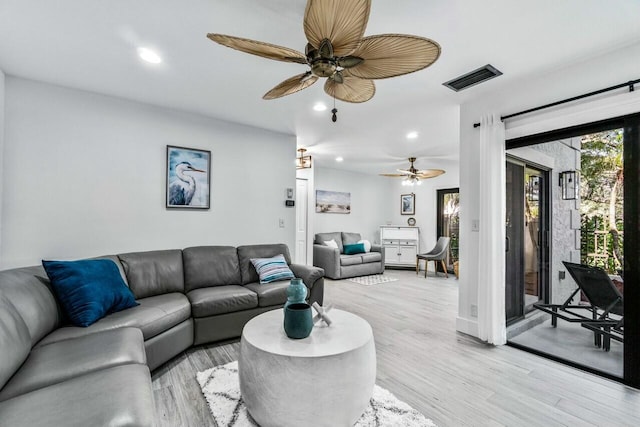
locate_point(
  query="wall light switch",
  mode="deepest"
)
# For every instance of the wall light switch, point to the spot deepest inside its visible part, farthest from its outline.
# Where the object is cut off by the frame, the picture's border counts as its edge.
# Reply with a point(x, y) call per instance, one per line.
point(475, 225)
point(281, 222)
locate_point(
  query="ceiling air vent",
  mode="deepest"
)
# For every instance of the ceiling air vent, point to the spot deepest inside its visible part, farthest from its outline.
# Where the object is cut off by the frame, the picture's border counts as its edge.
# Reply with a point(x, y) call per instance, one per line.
point(472, 78)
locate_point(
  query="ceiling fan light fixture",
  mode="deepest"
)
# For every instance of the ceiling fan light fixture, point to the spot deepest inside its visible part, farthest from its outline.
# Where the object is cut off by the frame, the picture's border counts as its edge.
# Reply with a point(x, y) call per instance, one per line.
point(302, 161)
point(319, 106)
point(412, 135)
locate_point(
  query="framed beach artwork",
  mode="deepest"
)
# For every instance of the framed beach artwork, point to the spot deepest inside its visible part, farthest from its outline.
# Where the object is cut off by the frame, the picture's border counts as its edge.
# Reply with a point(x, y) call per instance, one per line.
point(408, 204)
point(188, 178)
point(333, 202)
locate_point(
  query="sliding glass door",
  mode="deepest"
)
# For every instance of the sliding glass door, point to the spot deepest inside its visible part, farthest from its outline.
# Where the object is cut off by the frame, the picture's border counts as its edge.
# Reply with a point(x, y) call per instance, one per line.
point(449, 224)
point(526, 251)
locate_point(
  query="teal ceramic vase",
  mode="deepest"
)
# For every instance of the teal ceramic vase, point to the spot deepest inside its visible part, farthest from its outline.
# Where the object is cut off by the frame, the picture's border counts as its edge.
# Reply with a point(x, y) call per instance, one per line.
point(296, 292)
point(298, 321)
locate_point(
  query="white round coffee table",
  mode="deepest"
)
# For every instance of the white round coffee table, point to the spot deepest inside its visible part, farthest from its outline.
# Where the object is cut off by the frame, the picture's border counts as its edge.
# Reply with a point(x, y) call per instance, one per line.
point(325, 379)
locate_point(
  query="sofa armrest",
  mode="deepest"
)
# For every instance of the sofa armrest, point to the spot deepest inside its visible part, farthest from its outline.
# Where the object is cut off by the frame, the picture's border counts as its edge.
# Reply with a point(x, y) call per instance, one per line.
point(313, 278)
point(379, 248)
point(328, 259)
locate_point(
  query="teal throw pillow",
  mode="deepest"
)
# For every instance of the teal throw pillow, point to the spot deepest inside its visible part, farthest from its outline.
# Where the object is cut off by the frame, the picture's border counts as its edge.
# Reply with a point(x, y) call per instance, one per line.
point(88, 289)
point(272, 269)
point(356, 248)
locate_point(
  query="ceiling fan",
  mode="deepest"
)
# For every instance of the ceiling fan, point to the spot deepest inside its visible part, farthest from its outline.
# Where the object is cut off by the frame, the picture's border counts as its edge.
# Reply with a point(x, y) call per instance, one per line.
point(336, 50)
point(412, 176)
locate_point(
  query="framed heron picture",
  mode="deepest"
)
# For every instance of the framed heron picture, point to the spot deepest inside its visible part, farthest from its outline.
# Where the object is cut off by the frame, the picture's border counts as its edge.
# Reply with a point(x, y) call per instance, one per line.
point(188, 178)
point(408, 204)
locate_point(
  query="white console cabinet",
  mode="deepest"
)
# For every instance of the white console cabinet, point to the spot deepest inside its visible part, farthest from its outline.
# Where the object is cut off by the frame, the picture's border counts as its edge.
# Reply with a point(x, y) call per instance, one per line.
point(401, 245)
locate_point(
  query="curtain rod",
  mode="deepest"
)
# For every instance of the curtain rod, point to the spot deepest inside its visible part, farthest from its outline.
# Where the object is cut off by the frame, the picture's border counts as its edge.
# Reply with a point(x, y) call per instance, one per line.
point(630, 84)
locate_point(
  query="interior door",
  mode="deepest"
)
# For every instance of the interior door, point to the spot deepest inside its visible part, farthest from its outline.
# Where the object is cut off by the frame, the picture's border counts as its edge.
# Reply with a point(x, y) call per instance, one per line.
point(514, 249)
point(302, 190)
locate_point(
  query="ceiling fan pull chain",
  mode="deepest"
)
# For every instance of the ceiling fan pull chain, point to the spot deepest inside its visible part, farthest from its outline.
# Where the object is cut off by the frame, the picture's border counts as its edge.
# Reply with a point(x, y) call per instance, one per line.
point(334, 116)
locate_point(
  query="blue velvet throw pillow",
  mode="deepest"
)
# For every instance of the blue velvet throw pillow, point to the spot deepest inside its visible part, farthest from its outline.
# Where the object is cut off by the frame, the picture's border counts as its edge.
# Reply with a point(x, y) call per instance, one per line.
point(356, 248)
point(88, 289)
point(272, 269)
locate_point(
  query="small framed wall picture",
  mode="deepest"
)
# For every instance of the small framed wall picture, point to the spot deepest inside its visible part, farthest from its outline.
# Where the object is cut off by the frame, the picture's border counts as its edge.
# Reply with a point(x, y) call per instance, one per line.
point(188, 178)
point(408, 204)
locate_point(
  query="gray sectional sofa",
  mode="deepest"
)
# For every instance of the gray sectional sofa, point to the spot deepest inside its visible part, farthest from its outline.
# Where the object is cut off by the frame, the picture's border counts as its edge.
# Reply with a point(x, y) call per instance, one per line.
point(338, 265)
point(54, 374)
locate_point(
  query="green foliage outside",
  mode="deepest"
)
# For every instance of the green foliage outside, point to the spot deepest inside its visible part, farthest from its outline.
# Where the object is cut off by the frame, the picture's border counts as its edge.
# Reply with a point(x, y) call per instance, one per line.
point(601, 200)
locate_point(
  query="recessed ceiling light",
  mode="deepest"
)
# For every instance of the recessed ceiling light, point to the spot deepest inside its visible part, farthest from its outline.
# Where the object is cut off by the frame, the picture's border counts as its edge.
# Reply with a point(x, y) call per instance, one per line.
point(339, 159)
point(320, 107)
point(149, 56)
point(412, 135)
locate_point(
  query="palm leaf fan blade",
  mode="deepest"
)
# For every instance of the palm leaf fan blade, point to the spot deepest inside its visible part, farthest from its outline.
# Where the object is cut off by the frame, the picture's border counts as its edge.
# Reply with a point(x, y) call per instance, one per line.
point(391, 55)
point(429, 173)
point(342, 22)
point(291, 85)
point(393, 175)
point(351, 90)
point(254, 47)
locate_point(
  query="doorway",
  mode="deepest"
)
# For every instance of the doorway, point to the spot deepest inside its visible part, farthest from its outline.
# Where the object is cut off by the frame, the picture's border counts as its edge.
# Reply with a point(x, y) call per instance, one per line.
point(302, 194)
point(448, 224)
point(526, 246)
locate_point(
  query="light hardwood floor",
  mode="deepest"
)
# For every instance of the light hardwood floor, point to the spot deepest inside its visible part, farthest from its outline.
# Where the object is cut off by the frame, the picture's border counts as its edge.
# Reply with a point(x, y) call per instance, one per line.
point(450, 377)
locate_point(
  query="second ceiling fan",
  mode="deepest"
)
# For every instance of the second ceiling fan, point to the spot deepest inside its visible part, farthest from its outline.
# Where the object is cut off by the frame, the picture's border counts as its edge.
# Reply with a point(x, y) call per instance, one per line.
point(413, 176)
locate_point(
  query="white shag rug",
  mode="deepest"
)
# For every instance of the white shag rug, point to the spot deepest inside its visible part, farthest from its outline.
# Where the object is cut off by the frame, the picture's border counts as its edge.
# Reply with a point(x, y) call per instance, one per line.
point(221, 387)
point(374, 279)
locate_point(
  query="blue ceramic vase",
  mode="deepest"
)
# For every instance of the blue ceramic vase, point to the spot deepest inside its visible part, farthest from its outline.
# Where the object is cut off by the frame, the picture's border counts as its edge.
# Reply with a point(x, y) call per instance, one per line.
point(298, 321)
point(296, 292)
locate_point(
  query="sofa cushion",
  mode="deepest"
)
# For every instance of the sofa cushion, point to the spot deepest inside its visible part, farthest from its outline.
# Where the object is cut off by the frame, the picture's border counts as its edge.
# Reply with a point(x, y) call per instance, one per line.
point(206, 266)
point(116, 397)
point(274, 269)
point(61, 361)
point(221, 299)
point(350, 260)
point(371, 257)
point(245, 253)
point(324, 237)
point(153, 316)
point(350, 238)
point(29, 290)
point(88, 289)
point(270, 293)
point(154, 272)
point(14, 340)
point(353, 249)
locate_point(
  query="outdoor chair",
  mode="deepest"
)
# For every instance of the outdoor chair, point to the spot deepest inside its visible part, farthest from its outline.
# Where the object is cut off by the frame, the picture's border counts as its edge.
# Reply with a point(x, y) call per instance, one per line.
point(604, 300)
point(438, 253)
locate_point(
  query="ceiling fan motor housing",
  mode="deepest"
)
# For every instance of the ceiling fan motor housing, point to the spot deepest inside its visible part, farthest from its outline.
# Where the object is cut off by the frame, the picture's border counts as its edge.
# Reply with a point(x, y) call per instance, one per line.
point(323, 67)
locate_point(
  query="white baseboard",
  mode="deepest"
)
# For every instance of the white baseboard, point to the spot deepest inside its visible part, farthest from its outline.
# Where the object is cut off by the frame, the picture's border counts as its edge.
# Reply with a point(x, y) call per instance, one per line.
point(467, 326)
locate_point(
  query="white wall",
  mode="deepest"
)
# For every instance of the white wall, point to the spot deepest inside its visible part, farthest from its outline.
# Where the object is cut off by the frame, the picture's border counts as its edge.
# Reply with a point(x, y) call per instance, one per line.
point(426, 204)
point(2, 126)
point(372, 203)
point(596, 73)
point(85, 175)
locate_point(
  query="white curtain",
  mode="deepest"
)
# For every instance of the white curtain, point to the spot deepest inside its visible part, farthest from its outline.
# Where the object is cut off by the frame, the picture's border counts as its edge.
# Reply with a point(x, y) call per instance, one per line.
point(491, 256)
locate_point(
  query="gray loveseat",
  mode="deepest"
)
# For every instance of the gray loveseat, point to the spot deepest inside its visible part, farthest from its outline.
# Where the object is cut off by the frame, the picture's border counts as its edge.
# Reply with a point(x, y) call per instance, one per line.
point(338, 265)
point(54, 374)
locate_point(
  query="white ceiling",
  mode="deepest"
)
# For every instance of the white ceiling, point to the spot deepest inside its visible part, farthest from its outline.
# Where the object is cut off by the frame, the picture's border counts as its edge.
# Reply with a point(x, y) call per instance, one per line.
point(91, 45)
